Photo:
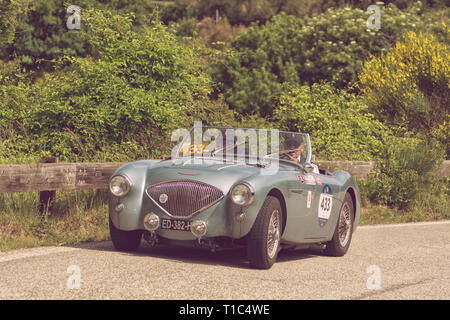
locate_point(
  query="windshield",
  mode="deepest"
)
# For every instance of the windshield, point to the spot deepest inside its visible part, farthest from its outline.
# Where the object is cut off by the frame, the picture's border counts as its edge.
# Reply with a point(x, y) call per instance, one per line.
point(241, 144)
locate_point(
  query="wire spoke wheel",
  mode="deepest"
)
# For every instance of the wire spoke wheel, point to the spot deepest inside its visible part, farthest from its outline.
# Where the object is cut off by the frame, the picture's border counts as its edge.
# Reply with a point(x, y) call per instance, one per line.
point(345, 223)
point(273, 235)
point(264, 239)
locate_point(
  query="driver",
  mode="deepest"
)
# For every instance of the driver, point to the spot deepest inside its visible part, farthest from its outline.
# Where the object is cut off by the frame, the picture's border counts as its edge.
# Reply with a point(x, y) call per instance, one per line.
point(297, 147)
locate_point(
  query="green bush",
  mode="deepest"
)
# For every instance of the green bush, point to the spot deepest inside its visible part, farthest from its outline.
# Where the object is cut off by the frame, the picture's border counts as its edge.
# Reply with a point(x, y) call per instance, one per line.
point(120, 105)
point(329, 47)
point(41, 34)
point(405, 175)
point(338, 122)
point(261, 58)
point(186, 27)
point(177, 10)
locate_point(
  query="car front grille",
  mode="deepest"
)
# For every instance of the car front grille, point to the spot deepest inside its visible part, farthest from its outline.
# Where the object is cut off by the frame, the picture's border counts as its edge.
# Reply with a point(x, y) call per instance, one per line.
point(184, 198)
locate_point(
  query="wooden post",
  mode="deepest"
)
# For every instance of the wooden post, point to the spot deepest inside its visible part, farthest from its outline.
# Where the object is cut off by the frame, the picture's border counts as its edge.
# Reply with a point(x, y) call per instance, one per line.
point(217, 16)
point(47, 198)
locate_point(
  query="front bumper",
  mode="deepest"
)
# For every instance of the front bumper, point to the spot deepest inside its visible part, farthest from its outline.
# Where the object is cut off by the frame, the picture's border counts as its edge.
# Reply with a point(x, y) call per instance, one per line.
point(223, 218)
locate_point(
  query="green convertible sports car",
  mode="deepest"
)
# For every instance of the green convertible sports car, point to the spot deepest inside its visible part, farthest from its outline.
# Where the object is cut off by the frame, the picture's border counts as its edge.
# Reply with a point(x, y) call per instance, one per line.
point(227, 187)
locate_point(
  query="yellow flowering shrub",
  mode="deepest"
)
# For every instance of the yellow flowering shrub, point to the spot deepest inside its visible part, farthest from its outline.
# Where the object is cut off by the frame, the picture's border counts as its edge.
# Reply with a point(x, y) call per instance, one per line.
point(409, 86)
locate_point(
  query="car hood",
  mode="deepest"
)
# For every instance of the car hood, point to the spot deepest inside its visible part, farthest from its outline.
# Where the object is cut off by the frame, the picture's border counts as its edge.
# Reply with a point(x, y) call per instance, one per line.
point(218, 173)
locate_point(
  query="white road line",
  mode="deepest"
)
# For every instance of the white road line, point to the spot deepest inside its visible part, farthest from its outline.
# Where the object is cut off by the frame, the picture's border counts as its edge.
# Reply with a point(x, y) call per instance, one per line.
point(410, 224)
point(42, 251)
point(33, 252)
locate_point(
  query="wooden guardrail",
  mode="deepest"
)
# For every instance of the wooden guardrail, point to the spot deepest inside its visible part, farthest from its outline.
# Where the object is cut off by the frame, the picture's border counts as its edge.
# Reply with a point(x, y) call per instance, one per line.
point(78, 176)
point(55, 176)
point(360, 169)
point(49, 177)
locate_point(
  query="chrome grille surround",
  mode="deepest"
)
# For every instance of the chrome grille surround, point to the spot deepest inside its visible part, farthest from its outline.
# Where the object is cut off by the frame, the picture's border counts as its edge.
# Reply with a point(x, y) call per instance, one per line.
point(184, 198)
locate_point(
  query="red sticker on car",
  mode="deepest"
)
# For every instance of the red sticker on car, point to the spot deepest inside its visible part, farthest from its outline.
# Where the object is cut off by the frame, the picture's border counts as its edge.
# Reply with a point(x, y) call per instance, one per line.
point(319, 181)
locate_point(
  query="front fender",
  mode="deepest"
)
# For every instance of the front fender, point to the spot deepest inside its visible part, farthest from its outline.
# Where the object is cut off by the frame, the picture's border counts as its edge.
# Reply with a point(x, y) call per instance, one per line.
point(128, 218)
point(252, 211)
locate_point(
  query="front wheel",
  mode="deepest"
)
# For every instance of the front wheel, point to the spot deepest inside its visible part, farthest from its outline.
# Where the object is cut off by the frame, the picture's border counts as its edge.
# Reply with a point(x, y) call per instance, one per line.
point(263, 242)
point(339, 244)
point(124, 240)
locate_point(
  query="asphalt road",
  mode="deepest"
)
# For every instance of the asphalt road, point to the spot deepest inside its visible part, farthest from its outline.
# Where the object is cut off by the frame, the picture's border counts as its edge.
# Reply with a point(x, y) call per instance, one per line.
point(409, 261)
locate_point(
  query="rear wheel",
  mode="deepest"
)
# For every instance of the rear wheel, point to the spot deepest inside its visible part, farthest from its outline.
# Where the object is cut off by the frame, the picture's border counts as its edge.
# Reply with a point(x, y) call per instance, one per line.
point(124, 240)
point(339, 244)
point(263, 243)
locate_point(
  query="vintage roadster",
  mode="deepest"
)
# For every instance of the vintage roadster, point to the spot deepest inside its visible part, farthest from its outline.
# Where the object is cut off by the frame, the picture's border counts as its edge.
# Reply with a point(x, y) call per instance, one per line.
point(227, 187)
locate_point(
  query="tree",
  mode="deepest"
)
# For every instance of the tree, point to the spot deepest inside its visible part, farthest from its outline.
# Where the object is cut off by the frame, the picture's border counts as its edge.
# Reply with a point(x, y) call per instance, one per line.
point(10, 12)
point(42, 36)
point(331, 47)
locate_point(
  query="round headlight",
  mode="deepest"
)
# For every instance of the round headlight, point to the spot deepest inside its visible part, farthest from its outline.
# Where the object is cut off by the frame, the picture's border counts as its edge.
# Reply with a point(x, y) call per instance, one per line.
point(119, 186)
point(242, 194)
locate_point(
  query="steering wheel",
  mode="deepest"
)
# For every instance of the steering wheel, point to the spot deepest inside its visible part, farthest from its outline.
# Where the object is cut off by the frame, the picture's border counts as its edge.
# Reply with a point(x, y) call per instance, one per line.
point(286, 155)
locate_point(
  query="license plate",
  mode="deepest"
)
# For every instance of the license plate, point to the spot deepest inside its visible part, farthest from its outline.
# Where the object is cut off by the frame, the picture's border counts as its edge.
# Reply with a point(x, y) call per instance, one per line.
point(179, 225)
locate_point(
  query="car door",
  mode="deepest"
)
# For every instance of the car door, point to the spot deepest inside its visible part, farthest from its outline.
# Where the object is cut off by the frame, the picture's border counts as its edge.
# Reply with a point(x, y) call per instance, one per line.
point(325, 206)
point(300, 215)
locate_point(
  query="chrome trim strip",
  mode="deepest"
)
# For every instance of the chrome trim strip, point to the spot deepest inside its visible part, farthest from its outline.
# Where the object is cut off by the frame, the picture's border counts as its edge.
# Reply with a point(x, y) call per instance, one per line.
point(252, 191)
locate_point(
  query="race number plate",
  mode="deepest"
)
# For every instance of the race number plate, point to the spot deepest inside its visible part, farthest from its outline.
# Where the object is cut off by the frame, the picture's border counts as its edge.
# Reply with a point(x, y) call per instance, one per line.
point(179, 225)
point(325, 205)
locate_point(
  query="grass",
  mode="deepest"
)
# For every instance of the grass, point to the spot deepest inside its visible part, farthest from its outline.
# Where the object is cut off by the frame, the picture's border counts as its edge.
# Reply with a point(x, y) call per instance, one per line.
point(374, 214)
point(432, 204)
point(81, 216)
point(78, 216)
